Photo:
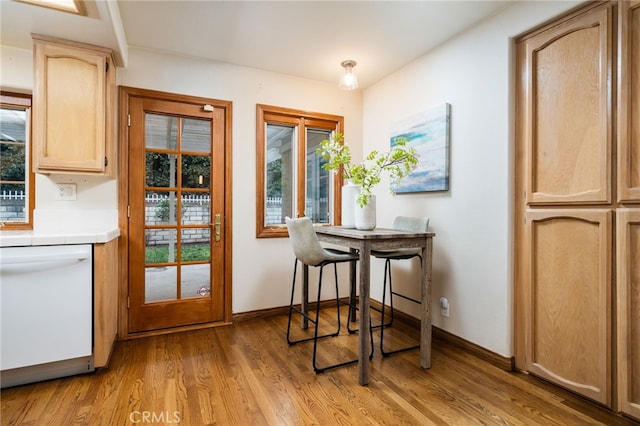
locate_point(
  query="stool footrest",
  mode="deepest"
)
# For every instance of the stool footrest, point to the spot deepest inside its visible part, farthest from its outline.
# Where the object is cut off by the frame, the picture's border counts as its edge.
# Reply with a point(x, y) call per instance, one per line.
point(395, 351)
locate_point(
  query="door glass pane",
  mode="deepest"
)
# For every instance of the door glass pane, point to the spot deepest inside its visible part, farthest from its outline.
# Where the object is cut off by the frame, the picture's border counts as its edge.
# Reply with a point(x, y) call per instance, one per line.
point(160, 208)
point(160, 246)
point(196, 244)
point(160, 283)
point(280, 174)
point(196, 171)
point(195, 281)
point(161, 170)
point(318, 182)
point(160, 131)
point(196, 135)
point(196, 208)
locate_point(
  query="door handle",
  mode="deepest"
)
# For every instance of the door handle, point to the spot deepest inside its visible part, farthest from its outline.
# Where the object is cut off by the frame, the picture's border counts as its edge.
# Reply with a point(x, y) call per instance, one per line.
point(216, 224)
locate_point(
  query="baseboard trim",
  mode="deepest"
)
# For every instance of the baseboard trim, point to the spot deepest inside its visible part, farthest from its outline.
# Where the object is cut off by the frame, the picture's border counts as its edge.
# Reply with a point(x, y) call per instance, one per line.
point(259, 314)
point(504, 363)
point(281, 310)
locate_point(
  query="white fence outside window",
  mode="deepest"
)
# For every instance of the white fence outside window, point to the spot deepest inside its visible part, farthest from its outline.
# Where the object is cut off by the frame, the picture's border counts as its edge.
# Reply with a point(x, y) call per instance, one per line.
point(12, 206)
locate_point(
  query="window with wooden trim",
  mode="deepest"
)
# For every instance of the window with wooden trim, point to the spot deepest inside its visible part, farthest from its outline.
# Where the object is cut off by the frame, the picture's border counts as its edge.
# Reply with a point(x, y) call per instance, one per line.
point(290, 178)
point(17, 182)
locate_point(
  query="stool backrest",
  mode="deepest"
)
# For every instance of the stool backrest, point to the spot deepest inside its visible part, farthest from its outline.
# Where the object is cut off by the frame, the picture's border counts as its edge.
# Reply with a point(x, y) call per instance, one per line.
point(411, 224)
point(304, 241)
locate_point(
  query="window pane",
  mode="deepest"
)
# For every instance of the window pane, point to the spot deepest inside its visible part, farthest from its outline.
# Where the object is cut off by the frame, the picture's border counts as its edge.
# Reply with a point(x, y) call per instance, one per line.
point(196, 171)
point(280, 174)
point(160, 208)
point(13, 165)
point(318, 185)
point(12, 204)
point(161, 170)
point(196, 208)
point(196, 135)
point(196, 244)
point(195, 281)
point(160, 131)
point(13, 124)
point(160, 283)
point(160, 246)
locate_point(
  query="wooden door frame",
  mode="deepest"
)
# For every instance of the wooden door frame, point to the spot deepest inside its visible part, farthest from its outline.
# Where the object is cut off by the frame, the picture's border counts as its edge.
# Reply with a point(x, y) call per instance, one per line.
point(124, 95)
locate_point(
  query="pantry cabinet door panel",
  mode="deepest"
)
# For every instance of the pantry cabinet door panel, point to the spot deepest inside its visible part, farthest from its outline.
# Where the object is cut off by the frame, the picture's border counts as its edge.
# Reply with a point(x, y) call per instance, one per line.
point(628, 309)
point(568, 281)
point(568, 141)
point(629, 103)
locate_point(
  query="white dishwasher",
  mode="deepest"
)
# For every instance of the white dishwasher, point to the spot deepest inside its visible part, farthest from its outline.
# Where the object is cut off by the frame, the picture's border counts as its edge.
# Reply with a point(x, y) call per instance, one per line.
point(46, 295)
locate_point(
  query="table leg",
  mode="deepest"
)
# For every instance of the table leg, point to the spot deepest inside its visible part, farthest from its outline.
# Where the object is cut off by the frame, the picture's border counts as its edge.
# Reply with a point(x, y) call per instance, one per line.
point(352, 280)
point(425, 309)
point(363, 326)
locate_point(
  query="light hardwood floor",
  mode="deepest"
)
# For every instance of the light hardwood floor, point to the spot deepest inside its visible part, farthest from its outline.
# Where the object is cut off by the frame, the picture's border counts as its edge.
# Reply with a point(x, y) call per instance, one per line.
point(246, 374)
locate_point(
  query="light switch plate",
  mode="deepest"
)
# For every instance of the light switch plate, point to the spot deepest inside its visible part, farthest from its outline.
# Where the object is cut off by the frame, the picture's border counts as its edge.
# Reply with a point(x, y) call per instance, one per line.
point(66, 192)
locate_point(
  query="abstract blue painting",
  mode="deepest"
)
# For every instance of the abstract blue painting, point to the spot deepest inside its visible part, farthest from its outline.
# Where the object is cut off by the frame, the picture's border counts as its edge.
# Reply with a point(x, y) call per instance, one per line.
point(428, 133)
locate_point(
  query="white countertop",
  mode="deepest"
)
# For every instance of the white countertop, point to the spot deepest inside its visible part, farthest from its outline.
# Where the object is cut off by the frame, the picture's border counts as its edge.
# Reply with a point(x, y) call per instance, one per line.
point(31, 238)
point(53, 227)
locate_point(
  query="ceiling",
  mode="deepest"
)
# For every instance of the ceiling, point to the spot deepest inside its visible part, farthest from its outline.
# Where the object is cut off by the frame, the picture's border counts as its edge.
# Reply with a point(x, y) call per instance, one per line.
point(303, 38)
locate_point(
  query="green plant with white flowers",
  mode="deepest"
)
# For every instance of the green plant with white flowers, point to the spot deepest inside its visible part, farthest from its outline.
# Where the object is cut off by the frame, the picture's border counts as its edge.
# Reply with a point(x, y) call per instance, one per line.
point(399, 161)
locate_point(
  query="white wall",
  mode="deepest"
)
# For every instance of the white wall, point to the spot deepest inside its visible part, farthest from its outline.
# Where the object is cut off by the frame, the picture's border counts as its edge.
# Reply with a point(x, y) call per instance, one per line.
point(472, 72)
point(473, 220)
point(16, 69)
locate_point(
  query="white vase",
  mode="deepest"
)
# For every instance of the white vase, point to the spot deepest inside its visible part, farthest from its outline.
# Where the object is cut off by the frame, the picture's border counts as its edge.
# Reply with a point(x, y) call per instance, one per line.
point(350, 192)
point(366, 216)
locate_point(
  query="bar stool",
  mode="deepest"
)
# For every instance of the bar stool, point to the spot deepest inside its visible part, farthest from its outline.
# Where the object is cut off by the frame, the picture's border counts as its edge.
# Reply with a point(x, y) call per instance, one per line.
point(309, 252)
point(402, 223)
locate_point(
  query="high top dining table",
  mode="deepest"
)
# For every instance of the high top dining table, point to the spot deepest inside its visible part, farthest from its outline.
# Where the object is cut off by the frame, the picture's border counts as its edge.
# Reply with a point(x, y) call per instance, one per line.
point(383, 239)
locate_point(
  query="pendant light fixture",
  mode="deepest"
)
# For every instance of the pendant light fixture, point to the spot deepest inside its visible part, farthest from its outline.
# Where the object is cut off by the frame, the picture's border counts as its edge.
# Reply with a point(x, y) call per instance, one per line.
point(349, 80)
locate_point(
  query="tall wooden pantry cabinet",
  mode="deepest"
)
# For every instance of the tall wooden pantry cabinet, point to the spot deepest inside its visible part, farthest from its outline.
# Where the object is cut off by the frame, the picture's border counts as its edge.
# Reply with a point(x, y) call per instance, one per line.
point(577, 203)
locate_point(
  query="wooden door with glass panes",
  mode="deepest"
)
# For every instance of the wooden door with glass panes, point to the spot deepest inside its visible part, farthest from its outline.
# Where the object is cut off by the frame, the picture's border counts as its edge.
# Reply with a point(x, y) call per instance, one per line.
point(176, 195)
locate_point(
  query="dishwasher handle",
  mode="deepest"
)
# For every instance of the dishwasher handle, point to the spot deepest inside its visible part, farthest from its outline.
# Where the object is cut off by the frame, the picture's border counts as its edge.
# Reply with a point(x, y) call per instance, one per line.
point(12, 260)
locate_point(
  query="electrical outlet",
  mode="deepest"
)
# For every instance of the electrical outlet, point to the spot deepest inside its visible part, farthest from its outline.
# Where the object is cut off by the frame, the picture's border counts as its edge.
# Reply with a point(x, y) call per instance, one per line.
point(66, 192)
point(444, 307)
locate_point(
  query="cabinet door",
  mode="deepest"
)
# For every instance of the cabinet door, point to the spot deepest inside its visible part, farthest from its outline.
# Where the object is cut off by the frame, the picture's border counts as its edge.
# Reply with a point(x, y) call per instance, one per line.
point(70, 100)
point(629, 103)
point(568, 135)
point(567, 278)
point(105, 301)
point(628, 309)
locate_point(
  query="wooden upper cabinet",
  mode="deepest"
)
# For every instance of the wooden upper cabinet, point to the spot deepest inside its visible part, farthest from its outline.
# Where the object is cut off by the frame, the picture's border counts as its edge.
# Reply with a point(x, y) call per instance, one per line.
point(568, 141)
point(629, 103)
point(73, 107)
